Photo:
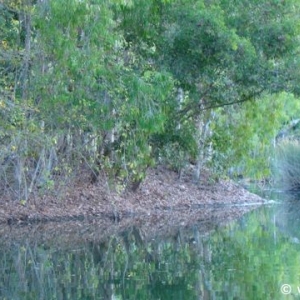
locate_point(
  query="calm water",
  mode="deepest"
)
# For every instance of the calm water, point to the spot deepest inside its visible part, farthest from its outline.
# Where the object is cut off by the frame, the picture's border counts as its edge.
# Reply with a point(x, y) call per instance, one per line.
point(250, 258)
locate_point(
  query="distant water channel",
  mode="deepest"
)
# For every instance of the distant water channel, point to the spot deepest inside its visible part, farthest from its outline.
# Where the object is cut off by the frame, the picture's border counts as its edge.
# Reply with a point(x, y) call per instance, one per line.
point(255, 257)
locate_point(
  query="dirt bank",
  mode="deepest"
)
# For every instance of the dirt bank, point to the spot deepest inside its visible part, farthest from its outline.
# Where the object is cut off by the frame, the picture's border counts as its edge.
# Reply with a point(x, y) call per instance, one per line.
point(162, 197)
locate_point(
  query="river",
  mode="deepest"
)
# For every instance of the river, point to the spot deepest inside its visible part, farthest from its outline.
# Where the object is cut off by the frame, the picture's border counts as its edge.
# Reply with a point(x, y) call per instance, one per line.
point(254, 257)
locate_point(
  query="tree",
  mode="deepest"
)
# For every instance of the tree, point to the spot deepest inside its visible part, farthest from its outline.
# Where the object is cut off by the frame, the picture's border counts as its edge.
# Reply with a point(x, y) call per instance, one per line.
point(220, 53)
point(114, 85)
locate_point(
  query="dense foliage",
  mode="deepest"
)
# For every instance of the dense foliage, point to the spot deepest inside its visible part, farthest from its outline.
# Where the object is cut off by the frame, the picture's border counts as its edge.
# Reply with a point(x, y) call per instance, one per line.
point(115, 86)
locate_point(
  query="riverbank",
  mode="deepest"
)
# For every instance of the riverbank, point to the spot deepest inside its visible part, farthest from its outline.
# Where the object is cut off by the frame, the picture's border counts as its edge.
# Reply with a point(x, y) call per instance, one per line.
point(161, 196)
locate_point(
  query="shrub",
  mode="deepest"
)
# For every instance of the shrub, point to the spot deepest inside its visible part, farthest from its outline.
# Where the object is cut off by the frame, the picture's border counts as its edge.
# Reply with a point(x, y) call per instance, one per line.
point(287, 165)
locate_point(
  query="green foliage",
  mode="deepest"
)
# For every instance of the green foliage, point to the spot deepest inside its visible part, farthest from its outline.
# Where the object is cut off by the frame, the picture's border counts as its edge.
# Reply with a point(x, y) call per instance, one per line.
point(105, 75)
point(244, 136)
point(287, 165)
point(175, 149)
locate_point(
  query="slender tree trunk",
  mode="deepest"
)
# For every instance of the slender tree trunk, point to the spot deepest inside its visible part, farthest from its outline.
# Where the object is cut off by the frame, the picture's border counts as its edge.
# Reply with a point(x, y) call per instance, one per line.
point(26, 20)
point(204, 147)
point(180, 98)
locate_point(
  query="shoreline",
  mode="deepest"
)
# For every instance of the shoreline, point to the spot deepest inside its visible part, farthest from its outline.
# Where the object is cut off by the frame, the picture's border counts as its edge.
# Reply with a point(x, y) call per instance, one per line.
point(162, 193)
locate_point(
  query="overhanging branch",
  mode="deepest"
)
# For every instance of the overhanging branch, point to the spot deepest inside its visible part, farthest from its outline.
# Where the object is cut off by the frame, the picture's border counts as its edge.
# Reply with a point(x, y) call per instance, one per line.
point(194, 109)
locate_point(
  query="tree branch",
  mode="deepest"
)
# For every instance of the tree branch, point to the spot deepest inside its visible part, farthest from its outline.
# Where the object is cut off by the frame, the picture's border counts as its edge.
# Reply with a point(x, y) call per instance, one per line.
point(193, 109)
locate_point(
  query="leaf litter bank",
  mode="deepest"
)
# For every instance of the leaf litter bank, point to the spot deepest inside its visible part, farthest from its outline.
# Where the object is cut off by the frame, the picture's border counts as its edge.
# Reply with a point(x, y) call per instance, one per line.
point(161, 201)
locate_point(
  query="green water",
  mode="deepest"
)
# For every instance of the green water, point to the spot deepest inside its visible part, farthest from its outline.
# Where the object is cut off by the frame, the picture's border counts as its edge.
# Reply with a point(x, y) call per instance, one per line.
point(250, 258)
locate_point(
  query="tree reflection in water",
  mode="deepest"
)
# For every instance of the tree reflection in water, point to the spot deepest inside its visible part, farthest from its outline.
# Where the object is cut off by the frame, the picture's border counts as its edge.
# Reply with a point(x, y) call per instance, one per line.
point(245, 259)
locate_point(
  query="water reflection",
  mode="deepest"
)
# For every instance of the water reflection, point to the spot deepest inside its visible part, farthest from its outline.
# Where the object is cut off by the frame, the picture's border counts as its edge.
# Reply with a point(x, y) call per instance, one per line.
point(288, 219)
point(246, 259)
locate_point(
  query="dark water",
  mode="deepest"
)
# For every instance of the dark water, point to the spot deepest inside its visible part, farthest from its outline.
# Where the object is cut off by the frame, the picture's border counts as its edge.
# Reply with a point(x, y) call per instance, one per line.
point(250, 258)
